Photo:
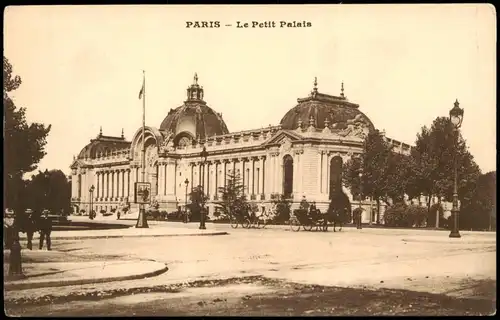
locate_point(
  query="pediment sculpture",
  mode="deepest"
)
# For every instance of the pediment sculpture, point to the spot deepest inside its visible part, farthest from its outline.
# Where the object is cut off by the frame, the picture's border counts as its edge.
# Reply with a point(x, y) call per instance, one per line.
point(357, 127)
point(286, 144)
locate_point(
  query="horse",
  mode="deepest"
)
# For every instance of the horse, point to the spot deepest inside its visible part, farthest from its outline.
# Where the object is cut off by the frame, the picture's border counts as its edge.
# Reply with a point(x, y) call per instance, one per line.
point(337, 215)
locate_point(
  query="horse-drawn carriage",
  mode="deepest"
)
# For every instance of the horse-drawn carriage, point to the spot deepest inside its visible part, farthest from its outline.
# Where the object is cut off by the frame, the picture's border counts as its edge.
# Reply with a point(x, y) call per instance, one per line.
point(249, 217)
point(308, 219)
point(313, 218)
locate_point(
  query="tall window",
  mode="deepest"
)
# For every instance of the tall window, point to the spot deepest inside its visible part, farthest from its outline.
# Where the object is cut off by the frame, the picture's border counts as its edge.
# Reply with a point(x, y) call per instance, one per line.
point(287, 176)
point(335, 176)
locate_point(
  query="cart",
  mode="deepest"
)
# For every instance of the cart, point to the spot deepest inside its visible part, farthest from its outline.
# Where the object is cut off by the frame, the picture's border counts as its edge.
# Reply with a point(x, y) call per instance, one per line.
point(308, 220)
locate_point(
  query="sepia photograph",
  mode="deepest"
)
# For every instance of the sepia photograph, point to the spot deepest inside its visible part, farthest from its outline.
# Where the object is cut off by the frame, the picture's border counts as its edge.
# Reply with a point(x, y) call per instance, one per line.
point(250, 160)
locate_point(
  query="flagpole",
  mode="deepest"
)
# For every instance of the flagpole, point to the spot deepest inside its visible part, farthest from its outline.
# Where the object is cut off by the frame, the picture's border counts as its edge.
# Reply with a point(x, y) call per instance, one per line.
point(142, 221)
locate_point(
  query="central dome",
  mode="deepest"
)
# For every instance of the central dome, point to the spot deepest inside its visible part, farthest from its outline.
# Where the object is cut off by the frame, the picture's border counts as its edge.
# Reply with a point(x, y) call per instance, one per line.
point(322, 109)
point(194, 117)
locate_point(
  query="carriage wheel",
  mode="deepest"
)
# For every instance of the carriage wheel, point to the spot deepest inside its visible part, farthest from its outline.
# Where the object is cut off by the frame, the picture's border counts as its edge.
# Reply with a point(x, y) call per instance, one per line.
point(308, 227)
point(325, 227)
point(295, 225)
point(234, 223)
point(246, 224)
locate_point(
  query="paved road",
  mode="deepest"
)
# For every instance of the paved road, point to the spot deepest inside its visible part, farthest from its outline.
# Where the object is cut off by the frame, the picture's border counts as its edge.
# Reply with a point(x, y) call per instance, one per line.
point(368, 257)
point(426, 261)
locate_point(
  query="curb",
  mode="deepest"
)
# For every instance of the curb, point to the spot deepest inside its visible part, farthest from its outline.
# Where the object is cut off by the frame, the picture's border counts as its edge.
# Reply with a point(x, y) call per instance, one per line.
point(451, 242)
point(78, 282)
point(139, 236)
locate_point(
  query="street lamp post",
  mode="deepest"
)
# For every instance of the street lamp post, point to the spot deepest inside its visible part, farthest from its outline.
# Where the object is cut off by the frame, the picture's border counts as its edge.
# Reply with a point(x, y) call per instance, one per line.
point(456, 117)
point(204, 155)
point(360, 197)
point(91, 193)
point(186, 182)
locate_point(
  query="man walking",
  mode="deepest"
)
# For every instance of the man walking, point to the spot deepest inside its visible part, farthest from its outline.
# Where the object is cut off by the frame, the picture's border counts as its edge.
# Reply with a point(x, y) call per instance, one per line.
point(45, 225)
point(29, 227)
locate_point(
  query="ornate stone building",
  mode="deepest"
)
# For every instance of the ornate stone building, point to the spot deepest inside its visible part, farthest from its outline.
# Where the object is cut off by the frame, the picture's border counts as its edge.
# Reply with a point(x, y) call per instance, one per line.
point(302, 156)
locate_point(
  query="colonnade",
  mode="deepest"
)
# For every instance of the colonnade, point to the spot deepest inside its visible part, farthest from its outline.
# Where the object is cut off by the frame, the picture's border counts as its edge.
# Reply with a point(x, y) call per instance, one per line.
point(213, 174)
point(113, 185)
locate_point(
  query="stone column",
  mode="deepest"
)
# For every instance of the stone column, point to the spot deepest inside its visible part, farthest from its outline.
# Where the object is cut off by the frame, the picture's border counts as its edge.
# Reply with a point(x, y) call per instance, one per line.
point(225, 172)
point(98, 182)
point(165, 177)
point(320, 176)
point(241, 168)
point(127, 194)
point(277, 180)
point(324, 174)
point(191, 166)
point(300, 176)
point(262, 175)
point(117, 183)
point(172, 177)
point(216, 179)
point(327, 180)
point(251, 186)
point(160, 178)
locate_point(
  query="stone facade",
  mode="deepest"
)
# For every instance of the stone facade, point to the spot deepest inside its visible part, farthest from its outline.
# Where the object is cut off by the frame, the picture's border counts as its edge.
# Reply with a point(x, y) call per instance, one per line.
point(303, 152)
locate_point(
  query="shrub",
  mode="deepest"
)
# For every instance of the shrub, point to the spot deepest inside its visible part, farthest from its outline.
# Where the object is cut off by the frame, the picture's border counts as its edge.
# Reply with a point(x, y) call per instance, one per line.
point(431, 217)
point(402, 215)
point(282, 209)
point(396, 216)
point(418, 215)
point(102, 211)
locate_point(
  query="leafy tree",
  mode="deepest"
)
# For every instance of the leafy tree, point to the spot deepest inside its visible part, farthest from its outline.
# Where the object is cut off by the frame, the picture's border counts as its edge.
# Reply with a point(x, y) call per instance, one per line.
point(375, 164)
point(233, 199)
point(24, 144)
point(479, 212)
point(48, 190)
point(431, 165)
point(198, 200)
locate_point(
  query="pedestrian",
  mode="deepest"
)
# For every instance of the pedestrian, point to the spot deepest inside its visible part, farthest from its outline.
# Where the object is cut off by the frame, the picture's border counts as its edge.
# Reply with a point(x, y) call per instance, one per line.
point(29, 227)
point(45, 228)
point(8, 228)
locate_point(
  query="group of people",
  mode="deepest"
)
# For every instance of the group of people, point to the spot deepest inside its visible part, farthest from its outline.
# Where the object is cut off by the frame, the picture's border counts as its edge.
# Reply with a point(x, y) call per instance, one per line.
point(28, 222)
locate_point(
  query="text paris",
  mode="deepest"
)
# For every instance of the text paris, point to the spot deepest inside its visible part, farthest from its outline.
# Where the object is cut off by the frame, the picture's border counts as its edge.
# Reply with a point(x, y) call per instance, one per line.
point(273, 24)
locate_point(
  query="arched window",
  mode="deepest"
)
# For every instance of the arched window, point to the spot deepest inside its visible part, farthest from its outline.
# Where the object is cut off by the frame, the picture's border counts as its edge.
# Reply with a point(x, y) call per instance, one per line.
point(335, 176)
point(79, 186)
point(287, 176)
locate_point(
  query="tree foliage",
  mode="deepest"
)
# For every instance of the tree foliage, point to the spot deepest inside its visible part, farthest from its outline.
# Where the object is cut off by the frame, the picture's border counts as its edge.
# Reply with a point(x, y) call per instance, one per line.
point(197, 203)
point(24, 144)
point(479, 211)
point(233, 201)
point(383, 171)
point(48, 190)
point(431, 165)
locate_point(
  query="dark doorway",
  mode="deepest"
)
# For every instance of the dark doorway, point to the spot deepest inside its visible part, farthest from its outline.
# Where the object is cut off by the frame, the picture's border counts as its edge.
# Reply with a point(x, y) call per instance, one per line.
point(287, 176)
point(335, 177)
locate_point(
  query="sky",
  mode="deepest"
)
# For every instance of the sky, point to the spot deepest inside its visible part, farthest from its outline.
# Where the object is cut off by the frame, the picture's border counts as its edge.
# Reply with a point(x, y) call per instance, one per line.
point(405, 65)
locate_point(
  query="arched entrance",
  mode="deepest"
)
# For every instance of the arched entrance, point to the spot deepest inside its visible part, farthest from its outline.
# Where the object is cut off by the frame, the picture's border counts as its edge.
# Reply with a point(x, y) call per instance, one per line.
point(335, 177)
point(152, 168)
point(287, 176)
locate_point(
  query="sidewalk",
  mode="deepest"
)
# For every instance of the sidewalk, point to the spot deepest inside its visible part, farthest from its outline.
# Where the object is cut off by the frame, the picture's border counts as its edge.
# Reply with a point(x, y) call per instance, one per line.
point(156, 229)
point(53, 269)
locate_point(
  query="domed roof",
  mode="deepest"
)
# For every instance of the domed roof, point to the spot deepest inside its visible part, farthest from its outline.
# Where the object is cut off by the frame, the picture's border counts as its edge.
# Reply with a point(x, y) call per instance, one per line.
point(194, 116)
point(103, 144)
point(321, 109)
